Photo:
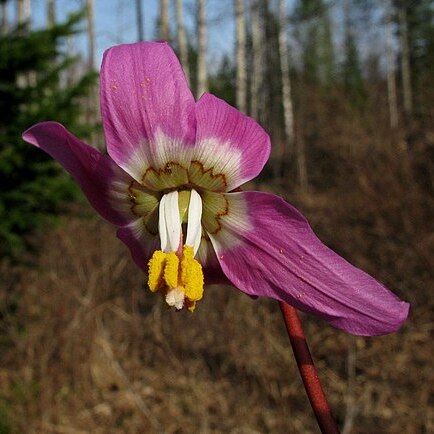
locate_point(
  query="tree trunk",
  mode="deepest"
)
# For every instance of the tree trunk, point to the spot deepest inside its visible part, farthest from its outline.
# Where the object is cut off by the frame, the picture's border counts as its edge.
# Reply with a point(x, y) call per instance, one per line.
point(92, 112)
point(4, 19)
point(24, 11)
point(51, 22)
point(182, 38)
point(71, 72)
point(405, 61)
point(288, 114)
point(391, 77)
point(51, 13)
point(202, 73)
point(258, 40)
point(24, 14)
point(300, 150)
point(164, 20)
point(241, 76)
point(139, 17)
point(91, 34)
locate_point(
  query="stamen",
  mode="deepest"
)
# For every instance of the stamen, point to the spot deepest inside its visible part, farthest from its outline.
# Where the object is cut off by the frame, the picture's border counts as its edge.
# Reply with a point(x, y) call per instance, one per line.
point(181, 283)
point(169, 222)
point(191, 275)
point(162, 227)
point(194, 227)
point(173, 222)
point(173, 269)
point(156, 267)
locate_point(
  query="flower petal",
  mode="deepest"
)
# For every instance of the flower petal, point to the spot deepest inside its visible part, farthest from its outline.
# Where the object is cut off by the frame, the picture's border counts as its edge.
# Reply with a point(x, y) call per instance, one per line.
point(212, 270)
point(102, 181)
point(271, 251)
point(231, 148)
point(148, 113)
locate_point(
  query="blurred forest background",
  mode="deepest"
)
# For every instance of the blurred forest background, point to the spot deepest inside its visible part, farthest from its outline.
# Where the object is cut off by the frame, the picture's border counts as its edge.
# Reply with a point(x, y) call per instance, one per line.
point(345, 88)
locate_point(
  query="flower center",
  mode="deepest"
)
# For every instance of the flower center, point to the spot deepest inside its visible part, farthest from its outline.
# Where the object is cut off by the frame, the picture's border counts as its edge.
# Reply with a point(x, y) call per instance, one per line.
point(173, 269)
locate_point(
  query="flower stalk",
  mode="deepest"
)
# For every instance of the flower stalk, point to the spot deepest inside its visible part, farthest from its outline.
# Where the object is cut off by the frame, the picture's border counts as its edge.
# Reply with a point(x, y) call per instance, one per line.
point(308, 372)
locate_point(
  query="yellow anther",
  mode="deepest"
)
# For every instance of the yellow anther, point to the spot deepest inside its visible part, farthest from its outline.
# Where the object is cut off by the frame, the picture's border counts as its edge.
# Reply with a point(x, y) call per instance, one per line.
point(156, 270)
point(168, 273)
point(191, 305)
point(171, 270)
point(191, 275)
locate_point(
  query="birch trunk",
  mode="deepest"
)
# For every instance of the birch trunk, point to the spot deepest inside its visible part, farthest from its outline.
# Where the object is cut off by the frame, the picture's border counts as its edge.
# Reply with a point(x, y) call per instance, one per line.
point(24, 11)
point(4, 19)
point(288, 113)
point(391, 76)
point(91, 34)
point(202, 73)
point(182, 38)
point(92, 103)
point(164, 20)
point(139, 18)
point(405, 61)
point(51, 13)
point(300, 150)
point(241, 76)
point(51, 22)
point(256, 82)
point(72, 72)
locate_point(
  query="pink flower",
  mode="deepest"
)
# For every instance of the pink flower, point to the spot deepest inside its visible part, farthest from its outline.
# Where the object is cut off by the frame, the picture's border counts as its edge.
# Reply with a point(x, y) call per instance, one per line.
point(168, 184)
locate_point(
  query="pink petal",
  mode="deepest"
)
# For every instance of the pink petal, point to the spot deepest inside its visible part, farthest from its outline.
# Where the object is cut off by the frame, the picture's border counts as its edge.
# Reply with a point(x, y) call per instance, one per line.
point(94, 172)
point(212, 270)
point(274, 253)
point(148, 111)
point(229, 142)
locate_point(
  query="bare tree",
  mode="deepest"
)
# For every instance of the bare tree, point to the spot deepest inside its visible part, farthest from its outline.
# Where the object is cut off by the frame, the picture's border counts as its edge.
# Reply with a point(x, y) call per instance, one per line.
point(288, 113)
point(4, 20)
point(51, 13)
point(72, 71)
point(258, 41)
point(24, 11)
point(139, 17)
point(405, 60)
point(202, 72)
point(300, 152)
point(24, 14)
point(51, 21)
point(391, 61)
point(89, 5)
point(182, 37)
point(92, 112)
point(164, 20)
point(240, 41)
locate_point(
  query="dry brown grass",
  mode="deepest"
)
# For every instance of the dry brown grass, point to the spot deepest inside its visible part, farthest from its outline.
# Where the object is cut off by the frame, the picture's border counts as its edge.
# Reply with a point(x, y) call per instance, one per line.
point(85, 348)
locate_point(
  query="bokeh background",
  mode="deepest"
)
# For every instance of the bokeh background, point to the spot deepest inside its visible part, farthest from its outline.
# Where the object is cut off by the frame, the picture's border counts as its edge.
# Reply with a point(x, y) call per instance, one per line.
point(345, 89)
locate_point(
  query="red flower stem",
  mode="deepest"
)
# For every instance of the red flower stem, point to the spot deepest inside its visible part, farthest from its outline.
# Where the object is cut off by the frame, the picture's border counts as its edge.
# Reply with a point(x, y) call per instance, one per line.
point(308, 372)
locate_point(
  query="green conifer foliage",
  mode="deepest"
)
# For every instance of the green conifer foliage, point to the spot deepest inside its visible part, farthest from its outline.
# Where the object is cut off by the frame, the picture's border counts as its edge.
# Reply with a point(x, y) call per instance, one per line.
point(32, 89)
